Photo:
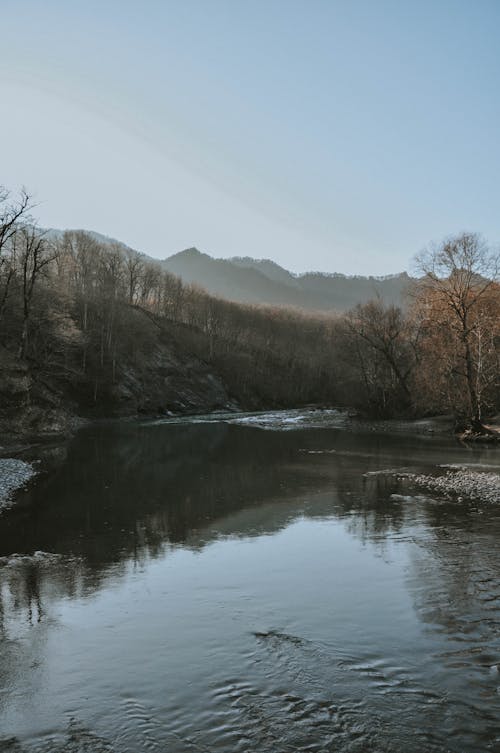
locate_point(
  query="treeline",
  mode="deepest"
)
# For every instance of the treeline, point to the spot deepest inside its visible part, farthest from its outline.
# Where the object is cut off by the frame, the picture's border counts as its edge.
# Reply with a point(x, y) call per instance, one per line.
point(84, 313)
point(442, 353)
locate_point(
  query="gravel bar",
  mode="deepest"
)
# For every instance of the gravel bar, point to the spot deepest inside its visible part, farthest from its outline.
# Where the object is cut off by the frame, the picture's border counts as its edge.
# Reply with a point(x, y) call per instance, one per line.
point(14, 474)
point(480, 487)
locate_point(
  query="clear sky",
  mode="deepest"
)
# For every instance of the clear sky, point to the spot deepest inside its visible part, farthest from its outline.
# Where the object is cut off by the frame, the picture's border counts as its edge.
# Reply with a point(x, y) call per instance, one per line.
point(339, 135)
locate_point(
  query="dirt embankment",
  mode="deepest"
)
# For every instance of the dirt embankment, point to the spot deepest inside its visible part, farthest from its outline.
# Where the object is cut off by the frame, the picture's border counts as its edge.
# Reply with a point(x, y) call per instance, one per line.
point(35, 403)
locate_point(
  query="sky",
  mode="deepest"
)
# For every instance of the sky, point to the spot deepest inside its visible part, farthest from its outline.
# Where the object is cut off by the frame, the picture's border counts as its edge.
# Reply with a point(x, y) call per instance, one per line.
point(334, 135)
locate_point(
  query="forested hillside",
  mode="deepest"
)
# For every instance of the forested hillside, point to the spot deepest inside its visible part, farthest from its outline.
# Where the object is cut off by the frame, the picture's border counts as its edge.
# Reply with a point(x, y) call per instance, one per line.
point(248, 280)
point(262, 281)
point(90, 327)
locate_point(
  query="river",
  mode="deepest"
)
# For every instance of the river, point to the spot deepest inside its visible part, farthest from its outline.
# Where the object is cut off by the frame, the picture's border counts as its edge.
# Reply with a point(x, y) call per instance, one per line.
point(254, 583)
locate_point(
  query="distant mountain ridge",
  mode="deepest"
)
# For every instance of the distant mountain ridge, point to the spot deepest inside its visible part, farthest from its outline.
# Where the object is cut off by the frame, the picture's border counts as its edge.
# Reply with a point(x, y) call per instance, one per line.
point(262, 281)
point(249, 280)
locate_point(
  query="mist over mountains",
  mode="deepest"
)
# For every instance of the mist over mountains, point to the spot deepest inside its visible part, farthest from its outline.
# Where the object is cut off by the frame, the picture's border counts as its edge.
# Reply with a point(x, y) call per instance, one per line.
point(262, 281)
point(248, 280)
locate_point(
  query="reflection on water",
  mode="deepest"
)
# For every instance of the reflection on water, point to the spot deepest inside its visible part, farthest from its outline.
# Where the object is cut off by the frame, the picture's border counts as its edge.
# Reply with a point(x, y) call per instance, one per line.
point(216, 587)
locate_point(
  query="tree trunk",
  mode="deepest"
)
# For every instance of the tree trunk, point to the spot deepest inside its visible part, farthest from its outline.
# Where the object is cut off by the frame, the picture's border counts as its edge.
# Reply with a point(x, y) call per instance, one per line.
point(24, 340)
point(475, 407)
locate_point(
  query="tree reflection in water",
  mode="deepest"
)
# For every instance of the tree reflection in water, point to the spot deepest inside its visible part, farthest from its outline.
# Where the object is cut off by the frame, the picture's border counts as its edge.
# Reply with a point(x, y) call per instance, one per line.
point(122, 496)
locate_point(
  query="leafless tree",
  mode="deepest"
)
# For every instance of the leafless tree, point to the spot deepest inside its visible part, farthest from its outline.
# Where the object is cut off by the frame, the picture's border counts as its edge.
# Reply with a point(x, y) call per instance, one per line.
point(134, 269)
point(34, 255)
point(458, 276)
point(378, 341)
point(12, 212)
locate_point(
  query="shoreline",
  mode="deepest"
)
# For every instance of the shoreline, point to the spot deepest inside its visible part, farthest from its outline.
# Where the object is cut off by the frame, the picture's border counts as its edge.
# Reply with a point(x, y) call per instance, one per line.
point(460, 485)
point(443, 425)
point(19, 455)
point(15, 474)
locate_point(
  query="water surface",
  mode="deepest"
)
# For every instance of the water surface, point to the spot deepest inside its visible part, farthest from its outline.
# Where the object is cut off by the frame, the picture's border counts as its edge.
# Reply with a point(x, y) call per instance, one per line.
point(257, 584)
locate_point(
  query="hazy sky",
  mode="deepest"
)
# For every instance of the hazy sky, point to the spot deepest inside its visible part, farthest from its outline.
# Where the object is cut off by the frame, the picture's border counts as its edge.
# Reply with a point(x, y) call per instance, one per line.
point(332, 135)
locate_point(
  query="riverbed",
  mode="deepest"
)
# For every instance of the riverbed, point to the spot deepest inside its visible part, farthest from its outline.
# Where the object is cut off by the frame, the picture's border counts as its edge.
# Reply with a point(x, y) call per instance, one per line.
point(257, 583)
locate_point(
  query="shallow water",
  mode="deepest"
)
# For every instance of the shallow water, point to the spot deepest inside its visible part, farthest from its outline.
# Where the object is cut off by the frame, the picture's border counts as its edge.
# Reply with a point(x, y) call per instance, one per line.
point(215, 586)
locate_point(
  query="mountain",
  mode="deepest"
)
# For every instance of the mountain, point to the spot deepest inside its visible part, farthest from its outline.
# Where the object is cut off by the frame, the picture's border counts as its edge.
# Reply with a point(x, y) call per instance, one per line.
point(248, 280)
point(262, 281)
point(268, 268)
point(225, 278)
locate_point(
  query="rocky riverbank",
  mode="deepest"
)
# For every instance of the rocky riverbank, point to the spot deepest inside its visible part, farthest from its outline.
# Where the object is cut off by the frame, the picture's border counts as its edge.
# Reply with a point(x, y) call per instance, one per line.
point(461, 485)
point(14, 475)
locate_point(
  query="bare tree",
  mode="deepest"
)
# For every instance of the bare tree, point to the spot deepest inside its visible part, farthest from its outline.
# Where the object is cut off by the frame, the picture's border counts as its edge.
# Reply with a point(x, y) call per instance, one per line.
point(12, 211)
point(458, 276)
point(7, 274)
point(379, 341)
point(134, 268)
point(150, 285)
point(34, 256)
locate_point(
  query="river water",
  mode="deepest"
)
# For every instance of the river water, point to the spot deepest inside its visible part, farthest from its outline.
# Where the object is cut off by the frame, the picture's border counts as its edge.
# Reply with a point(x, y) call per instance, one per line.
point(257, 584)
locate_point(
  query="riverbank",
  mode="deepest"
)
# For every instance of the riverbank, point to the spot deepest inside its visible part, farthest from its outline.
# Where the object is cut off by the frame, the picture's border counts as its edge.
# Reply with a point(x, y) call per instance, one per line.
point(36, 407)
point(489, 433)
point(18, 452)
point(14, 475)
point(461, 484)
